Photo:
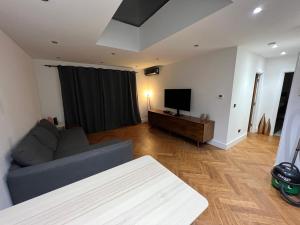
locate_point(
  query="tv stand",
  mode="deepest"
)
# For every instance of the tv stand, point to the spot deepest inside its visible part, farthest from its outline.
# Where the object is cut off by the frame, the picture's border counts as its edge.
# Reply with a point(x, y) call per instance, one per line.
point(194, 128)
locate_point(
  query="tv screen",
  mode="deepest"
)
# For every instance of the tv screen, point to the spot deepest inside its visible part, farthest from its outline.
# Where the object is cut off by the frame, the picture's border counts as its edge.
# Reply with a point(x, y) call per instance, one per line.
point(178, 99)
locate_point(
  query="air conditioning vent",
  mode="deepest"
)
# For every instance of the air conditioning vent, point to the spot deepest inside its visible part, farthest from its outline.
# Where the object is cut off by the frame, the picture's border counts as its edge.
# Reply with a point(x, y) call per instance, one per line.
point(152, 71)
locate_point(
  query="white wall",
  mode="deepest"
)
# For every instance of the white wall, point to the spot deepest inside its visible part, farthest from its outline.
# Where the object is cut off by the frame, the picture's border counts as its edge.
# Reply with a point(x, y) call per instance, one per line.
point(247, 66)
point(208, 76)
point(19, 103)
point(291, 128)
point(50, 91)
point(142, 88)
point(272, 81)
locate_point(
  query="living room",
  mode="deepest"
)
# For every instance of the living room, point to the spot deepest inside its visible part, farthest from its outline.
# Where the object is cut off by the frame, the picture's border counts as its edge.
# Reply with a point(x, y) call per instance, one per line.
point(228, 60)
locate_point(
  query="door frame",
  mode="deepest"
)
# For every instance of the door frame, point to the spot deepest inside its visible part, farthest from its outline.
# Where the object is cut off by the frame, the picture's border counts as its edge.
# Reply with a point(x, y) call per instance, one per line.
point(278, 102)
point(254, 100)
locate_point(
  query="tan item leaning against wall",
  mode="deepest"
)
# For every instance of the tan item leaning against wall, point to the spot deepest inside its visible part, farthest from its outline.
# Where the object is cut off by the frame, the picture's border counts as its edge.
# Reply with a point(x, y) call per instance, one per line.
point(261, 126)
point(267, 128)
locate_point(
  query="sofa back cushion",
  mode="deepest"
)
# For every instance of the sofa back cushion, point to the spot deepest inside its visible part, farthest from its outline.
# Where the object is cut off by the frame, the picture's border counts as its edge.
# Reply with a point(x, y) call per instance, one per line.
point(50, 127)
point(31, 152)
point(72, 141)
point(45, 137)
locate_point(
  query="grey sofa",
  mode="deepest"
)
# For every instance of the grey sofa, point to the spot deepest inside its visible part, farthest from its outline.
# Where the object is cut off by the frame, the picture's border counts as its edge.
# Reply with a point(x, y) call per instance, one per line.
point(47, 159)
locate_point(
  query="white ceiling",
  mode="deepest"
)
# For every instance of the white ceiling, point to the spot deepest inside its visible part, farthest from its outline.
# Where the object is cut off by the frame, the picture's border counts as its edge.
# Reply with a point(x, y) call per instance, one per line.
point(77, 25)
point(170, 19)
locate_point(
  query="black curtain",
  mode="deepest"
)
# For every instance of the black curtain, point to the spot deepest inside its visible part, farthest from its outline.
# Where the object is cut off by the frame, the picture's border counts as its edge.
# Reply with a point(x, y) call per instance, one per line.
point(98, 99)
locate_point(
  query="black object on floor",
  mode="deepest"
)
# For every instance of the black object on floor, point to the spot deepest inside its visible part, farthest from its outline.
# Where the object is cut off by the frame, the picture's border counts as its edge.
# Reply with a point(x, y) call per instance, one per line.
point(286, 178)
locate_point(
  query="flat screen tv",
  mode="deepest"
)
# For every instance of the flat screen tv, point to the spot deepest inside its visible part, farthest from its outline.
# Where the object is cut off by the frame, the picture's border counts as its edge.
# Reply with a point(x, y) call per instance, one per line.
point(179, 99)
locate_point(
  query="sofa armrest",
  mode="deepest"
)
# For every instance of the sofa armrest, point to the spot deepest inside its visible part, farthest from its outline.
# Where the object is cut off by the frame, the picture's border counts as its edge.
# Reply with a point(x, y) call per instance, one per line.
point(30, 182)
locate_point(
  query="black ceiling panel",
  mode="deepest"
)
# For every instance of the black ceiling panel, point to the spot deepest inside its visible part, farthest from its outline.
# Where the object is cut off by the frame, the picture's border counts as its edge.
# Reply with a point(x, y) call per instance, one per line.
point(137, 12)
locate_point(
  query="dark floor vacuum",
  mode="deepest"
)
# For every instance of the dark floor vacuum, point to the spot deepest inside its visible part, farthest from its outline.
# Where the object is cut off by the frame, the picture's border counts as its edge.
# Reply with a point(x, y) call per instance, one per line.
point(286, 179)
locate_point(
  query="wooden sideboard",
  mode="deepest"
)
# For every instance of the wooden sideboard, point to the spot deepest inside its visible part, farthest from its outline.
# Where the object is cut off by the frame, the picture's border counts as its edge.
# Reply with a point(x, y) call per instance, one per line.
point(191, 127)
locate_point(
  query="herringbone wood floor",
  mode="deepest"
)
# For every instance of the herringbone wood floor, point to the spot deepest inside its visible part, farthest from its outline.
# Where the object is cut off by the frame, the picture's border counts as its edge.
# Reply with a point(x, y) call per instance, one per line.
point(235, 182)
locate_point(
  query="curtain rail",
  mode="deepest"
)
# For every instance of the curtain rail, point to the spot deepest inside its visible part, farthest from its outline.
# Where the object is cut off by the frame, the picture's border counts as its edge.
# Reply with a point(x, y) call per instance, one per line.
point(55, 66)
point(50, 66)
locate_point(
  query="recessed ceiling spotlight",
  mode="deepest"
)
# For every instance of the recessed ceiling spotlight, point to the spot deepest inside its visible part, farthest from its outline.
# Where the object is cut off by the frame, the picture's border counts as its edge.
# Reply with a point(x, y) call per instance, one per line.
point(283, 53)
point(196, 46)
point(273, 45)
point(54, 42)
point(257, 10)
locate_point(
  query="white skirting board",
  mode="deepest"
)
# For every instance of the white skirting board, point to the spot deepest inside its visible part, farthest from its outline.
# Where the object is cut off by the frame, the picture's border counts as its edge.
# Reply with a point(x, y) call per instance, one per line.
point(228, 145)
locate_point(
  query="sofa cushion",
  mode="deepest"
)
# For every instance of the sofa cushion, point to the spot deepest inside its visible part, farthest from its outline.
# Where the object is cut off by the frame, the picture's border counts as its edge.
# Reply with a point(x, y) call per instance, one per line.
point(72, 141)
point(77, 150)
point(104, 144)
point(31, 152)
point(45, 137)
point(65, 152)
point(49, 126)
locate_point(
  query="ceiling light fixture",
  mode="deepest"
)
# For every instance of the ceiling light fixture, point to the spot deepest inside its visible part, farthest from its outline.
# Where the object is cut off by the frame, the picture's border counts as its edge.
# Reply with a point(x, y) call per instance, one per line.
point(54, 42)
point(257, 10)
point(283, 53)
point(196, 46)
point(273, 45)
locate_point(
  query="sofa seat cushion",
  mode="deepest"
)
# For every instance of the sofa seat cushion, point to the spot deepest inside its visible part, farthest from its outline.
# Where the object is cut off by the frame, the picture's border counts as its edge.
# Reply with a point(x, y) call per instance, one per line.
point(45, 137)
point(31, 152)
point(72, 141)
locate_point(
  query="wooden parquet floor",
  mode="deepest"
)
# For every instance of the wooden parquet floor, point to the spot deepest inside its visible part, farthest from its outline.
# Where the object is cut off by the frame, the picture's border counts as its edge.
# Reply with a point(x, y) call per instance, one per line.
point(235, 182)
